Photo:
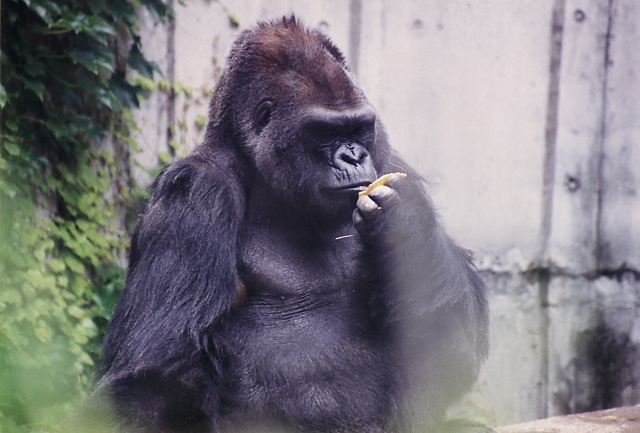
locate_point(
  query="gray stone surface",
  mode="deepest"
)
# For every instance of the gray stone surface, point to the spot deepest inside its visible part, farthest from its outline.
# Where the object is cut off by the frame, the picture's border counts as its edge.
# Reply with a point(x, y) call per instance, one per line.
point(622, 420)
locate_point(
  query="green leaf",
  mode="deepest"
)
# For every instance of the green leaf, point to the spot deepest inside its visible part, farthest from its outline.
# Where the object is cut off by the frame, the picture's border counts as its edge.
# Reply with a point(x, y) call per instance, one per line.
point(96, 25)
point(76, 311)
point(74, 264)
point(43, 333)
point(234, 20)
point(126, 93)
point(201, 121)
point(3, 96)
point(137, 61)
point(11, 125)
point(164, 157)
point(12, 148)
point(47, 10)
point(11, 296)
point(97, 6)
point(158, 8)
point(103, 96)
point(86, 359)
point(57, 265)
point(121, 10)
point(93, 57)
point(69, 21)
point(86, 58)
point(88, 327)
point(36, 87)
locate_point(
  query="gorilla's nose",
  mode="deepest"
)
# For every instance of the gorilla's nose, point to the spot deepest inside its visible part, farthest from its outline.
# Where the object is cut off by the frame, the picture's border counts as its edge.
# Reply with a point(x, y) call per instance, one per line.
point(350, 154)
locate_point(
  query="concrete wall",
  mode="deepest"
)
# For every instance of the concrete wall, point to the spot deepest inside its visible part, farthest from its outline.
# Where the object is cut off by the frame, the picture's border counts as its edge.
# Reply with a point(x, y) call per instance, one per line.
point(524, 117)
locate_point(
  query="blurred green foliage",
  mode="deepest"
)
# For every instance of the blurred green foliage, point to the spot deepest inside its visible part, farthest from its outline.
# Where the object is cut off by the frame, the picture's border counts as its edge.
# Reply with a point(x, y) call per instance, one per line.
point(66, 97)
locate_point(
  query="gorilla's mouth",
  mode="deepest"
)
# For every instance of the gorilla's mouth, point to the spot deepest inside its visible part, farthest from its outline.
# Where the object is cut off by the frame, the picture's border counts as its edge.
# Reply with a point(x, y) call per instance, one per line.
point(352, 187)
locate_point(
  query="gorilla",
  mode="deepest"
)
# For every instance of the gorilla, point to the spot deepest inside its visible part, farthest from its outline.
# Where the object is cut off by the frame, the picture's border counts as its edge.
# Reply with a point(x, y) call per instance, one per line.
point(263, 294)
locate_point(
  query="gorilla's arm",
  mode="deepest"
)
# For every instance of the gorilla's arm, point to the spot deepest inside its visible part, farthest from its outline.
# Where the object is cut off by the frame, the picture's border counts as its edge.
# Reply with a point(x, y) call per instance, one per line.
point(428, 294)
point(182, 279)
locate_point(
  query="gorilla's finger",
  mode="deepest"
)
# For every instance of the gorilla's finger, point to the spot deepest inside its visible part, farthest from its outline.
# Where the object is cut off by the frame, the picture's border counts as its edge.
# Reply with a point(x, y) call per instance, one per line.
point(358, 221)
point(385, 197)
point(367, 207)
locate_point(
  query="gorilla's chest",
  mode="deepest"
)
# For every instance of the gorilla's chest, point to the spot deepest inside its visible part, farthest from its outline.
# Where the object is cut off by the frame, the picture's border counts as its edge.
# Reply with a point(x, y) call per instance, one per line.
point(281, 263)
point(300, 348)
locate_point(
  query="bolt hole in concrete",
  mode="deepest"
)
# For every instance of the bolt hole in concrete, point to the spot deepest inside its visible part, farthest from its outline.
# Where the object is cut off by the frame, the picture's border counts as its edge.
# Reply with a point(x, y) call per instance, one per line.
point(579, 15)
point(572, 183)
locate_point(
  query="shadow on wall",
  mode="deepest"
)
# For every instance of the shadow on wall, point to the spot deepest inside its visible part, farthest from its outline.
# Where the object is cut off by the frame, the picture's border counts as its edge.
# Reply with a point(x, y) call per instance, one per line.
point(605, 373)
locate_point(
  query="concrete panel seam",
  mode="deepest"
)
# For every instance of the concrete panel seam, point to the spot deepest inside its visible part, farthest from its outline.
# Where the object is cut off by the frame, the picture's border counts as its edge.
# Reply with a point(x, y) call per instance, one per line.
point(355, 24)
point(551, 123)
point(171, 77)
point(603, 133)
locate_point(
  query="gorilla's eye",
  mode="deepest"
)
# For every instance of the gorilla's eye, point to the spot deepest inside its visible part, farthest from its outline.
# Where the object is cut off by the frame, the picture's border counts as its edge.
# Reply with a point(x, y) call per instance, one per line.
point(262, 115)
point(325, 135)
point(365, 133)
point(321, 132)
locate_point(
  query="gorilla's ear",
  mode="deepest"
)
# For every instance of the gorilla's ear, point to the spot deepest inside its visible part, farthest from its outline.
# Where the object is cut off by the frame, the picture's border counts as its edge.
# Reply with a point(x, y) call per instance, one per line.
point(262, 113)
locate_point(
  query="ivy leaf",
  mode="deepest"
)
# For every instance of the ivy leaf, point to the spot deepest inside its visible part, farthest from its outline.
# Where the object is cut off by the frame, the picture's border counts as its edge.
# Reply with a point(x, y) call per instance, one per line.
point(44, 9)
point(57, 265)
point(164, 157)
point(11, 296)
point(3, 96)
point(96, 6)
point(102, 95)
point(8, 189)
point(86, 58)
point(121, 10)
point(126, 93)
point(36, 87)
point(11, 126)
point(92, 25)
point(58, 129)
point(70, 21)
point(12, 149)
point(92, 57)
point(158, 8)
point(99, 27)
point(43, 333)
point(234, 20)
point(74, 264)
point(86, 125)
point(76, 311)
point(137, 61)
point(88, 327)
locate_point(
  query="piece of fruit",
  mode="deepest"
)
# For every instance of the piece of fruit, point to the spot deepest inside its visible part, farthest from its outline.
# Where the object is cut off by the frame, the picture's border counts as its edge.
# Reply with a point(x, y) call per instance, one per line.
point(379, 182)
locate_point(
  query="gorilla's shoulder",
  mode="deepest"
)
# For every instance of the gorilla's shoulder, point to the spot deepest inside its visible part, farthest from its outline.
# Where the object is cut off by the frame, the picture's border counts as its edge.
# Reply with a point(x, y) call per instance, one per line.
point(194, 177)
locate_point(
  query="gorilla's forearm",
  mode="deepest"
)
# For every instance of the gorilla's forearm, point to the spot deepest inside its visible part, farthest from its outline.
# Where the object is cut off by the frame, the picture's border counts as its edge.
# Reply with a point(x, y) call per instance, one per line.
point(428, 292)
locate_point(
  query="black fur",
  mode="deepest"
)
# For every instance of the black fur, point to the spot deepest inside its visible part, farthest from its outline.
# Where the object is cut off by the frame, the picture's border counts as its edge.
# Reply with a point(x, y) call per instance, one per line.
point(259, 294)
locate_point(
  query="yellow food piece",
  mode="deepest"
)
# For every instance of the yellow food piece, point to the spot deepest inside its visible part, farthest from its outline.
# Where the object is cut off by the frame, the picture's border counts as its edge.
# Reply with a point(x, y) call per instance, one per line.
point(380, 181)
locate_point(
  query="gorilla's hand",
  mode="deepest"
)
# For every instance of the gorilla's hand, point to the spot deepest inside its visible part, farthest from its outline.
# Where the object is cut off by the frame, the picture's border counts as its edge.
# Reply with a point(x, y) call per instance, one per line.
point(373, 217)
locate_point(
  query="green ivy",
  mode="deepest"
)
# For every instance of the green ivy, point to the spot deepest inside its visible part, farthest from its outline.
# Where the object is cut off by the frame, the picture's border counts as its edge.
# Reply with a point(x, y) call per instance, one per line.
point(69, 70)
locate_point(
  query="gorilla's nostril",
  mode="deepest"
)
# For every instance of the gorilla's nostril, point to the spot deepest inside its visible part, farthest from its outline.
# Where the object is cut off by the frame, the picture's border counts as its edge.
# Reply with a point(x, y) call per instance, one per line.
point(350, 158)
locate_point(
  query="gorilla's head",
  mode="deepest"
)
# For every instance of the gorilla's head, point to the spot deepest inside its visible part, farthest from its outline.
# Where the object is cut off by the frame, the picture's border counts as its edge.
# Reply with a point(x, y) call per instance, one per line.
point(290, 104)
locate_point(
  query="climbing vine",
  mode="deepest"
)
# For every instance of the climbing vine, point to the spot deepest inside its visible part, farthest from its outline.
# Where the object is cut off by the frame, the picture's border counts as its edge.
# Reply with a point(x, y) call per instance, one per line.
point(70, 74)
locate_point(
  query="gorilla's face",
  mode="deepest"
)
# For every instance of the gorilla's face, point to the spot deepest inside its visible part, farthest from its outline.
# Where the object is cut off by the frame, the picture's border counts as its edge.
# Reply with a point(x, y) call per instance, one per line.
point(316, 155)
point(340, 142)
